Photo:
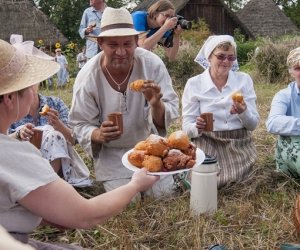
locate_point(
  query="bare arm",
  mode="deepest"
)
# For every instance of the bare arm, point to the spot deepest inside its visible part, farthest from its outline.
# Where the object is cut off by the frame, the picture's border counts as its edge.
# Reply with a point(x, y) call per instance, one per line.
point(149, 42)
point(53, 119)
point(59, 203)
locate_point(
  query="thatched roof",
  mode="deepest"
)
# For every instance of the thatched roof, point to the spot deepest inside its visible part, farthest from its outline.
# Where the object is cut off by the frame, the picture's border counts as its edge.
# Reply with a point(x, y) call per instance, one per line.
point(22, 17)
point(265, 18)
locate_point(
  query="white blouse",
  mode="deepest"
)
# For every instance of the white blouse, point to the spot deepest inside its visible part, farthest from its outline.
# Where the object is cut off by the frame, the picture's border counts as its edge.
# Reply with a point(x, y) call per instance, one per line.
point(201, 95)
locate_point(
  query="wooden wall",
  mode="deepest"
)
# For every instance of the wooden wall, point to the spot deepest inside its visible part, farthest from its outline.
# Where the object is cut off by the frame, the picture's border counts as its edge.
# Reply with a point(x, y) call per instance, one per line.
point(214, 14)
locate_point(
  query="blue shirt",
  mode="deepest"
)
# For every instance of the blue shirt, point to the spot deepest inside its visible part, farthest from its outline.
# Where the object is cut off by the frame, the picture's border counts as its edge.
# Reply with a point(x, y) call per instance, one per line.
point(53, 102)
point(140, 24)
point(90, 15)
point(284, 116)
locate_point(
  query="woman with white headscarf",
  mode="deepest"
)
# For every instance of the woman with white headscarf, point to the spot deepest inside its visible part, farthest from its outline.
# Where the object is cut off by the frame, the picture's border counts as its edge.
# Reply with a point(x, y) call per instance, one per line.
point(30, 189)
point(211, 92)
point(284, 120)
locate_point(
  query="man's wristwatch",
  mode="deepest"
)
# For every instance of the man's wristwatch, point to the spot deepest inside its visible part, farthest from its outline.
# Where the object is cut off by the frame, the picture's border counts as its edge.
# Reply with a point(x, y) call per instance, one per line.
point(18, 134)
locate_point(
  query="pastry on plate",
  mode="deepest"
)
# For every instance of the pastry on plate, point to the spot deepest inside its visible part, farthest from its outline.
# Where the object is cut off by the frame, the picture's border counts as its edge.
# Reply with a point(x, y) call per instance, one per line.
point(156, 145)
point(136, 158)
point(152, 163)
point(179, 140)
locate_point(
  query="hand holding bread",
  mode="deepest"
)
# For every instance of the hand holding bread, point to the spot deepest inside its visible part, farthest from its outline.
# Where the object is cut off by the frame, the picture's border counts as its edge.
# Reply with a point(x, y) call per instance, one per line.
point(239, 105)
point(45, 110)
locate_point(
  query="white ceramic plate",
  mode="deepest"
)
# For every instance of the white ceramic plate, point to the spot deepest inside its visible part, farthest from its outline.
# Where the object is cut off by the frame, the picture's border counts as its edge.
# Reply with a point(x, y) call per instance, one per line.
point(200, 157)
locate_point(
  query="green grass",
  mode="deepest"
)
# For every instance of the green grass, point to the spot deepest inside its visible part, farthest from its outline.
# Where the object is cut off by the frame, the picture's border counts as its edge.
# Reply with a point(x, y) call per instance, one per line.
point(254, 214)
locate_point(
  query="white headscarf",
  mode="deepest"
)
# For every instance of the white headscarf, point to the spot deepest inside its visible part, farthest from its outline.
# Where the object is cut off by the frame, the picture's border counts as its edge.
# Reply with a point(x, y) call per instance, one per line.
point(208, 47)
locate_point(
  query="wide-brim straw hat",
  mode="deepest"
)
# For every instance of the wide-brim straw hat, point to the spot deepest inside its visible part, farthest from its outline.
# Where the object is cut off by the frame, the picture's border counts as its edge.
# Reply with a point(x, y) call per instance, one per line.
point(19, 71)
point(116, 22)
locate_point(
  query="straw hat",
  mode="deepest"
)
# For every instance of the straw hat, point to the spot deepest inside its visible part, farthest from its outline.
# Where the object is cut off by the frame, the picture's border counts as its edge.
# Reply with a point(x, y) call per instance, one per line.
point(19, 70)
point(116, 22)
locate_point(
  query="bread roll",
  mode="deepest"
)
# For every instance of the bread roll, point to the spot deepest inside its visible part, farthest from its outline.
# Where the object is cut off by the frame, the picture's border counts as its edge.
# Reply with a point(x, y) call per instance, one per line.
point(136, 85)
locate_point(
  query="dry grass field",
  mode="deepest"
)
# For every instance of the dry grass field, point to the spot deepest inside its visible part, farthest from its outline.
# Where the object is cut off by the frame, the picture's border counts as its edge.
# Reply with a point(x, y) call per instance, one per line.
point(254, 214)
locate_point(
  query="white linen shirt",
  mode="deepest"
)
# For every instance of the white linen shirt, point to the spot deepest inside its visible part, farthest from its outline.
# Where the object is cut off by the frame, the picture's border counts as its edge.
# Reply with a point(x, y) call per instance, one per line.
point(201, 95)
point(284, 116)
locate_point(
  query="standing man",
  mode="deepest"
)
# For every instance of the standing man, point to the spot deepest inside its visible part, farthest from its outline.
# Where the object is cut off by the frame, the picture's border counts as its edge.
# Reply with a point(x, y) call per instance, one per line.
point(102, 87)
point(90, 25)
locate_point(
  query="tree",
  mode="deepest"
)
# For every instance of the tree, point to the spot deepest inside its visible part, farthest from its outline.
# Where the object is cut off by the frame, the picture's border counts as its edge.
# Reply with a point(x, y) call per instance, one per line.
point(66, 14)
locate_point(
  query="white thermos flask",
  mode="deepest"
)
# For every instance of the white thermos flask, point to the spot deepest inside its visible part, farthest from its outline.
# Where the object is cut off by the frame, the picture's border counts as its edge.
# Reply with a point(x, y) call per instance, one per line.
point(204, 196)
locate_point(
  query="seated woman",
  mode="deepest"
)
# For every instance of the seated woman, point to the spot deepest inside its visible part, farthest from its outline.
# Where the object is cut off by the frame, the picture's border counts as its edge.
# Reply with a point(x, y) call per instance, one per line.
point(57, 141)
point(30, 189)
point(230, 141)
point(156, 26)
point(284, 120)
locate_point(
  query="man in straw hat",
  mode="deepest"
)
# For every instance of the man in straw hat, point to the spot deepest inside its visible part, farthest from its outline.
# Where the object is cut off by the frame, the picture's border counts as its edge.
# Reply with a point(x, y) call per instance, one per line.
point(102, 87)
point(284, 120)
point(30, 189)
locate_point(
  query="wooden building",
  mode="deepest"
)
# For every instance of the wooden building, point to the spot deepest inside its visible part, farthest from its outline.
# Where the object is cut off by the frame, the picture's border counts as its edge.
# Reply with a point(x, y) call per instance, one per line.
point(24, 18)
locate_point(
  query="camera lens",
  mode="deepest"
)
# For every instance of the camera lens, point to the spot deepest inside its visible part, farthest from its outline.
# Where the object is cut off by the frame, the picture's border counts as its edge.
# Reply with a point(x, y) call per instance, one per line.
point(186, 25)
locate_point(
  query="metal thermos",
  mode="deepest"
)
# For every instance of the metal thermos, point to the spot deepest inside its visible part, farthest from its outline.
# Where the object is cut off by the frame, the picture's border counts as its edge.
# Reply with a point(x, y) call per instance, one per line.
point(204, 196)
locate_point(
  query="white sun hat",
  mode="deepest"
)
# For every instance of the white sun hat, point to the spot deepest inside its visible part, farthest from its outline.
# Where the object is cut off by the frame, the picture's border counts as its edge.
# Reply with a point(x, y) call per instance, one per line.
point(20, 69)
point(116, 22)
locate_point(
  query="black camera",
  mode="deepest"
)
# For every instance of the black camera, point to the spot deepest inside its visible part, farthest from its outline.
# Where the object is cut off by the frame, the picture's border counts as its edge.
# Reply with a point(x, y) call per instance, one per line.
point(184, 24)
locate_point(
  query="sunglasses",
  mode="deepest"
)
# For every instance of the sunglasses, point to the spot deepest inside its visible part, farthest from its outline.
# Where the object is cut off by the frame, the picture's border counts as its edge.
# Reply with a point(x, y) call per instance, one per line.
point(222, 57)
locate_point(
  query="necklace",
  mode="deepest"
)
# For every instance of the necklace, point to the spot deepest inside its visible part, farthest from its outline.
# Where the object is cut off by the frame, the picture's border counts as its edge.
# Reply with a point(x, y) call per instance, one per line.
point(121, 83)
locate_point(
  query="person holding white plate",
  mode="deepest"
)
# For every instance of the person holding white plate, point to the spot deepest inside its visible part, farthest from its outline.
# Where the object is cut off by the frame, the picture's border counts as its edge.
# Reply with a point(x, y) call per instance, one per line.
point(102, 87)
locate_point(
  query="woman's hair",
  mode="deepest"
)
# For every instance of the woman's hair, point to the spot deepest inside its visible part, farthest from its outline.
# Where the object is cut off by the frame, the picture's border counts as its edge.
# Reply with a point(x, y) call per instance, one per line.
point(224, 46)
point(293, 59)
point(159, 6)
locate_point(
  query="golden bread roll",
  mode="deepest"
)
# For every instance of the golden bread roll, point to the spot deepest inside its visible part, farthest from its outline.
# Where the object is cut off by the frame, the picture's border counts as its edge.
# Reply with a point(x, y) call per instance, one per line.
point(136, 85)
point(179, 140)
point(156, 145)
point(142, 145)
point(45, 110)
point(152, 163)
point(237, 97)
point(136, 158)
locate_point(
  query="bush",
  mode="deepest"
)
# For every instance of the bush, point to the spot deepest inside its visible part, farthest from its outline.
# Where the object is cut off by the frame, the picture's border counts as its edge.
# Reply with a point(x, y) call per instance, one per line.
point(184, 66)
point(245, 51)
point(270, 58)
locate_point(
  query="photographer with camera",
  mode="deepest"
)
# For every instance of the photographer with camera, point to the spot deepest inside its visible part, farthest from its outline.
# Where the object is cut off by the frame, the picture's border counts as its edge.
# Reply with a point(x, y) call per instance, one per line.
point(160, 25)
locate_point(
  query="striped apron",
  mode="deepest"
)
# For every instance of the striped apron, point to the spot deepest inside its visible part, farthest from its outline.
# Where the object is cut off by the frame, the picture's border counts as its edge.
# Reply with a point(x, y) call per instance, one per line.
point(235, 152)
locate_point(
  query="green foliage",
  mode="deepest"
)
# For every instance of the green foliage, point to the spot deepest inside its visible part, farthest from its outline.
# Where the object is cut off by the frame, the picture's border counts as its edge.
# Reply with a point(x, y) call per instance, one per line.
point(198, 34)
point(292, 10)
point(184, 67)
point(66, 15)
point(270, 58)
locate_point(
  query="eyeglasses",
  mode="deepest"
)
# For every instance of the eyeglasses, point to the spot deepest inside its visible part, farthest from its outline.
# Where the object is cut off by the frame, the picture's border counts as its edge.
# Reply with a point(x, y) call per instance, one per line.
point(166, 15)
point(222, 57)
